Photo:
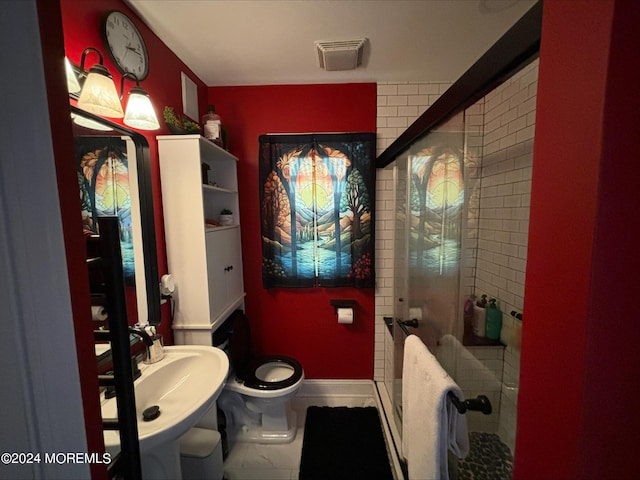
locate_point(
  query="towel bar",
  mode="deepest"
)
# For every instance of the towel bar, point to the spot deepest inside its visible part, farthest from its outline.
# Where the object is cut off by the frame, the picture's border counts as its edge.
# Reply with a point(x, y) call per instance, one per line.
point(481, 404)
point(403, 324)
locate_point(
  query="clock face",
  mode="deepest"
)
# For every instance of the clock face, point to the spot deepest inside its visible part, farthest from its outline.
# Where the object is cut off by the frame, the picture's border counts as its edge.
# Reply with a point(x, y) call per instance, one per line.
point(125, 45)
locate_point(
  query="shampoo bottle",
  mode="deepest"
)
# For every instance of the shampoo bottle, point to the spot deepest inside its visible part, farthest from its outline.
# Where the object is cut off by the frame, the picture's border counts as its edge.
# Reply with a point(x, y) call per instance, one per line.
point(494, 320)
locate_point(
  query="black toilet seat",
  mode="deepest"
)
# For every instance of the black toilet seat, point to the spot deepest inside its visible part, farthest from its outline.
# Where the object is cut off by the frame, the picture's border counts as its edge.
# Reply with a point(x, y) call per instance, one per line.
point(250, 380)
point(245, 365)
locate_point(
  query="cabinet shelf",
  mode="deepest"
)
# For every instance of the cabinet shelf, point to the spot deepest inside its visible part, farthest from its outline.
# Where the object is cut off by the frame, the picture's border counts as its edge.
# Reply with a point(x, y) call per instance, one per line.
point(215, 188)
point(217, 228)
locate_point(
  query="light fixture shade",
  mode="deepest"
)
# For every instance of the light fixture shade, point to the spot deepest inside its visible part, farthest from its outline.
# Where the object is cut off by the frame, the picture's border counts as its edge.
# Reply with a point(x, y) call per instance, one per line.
point(73, 85)
point(89, 123)
point(140, 113)
point(99, 95)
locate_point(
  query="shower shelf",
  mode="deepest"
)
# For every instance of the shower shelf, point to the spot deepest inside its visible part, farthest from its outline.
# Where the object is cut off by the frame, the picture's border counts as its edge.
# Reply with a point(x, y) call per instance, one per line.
point(469, 339)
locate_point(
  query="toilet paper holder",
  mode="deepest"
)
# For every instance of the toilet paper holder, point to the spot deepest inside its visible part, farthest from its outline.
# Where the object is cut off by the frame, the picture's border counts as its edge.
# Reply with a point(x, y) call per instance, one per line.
point(342, 303)
point(344, 310)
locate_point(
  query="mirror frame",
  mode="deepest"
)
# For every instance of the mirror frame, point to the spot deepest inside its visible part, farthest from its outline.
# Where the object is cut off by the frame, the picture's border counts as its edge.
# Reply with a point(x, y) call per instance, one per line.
point(145, 194)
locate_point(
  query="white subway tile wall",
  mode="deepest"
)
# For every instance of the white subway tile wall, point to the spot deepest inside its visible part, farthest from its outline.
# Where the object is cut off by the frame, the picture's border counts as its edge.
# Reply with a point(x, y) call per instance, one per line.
point(503, 220)
point(480, 372)
point(400, 104)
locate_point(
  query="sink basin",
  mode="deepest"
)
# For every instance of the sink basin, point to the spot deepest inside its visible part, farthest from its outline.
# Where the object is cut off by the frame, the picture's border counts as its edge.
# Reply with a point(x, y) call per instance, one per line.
point(184, 385)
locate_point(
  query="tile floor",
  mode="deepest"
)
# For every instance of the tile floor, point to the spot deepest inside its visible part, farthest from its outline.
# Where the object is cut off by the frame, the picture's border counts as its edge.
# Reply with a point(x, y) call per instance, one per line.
point(252, 461)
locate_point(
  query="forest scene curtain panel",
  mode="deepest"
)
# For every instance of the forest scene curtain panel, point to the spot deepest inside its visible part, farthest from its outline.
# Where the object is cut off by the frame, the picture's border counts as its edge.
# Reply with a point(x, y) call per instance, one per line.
point(317, 197)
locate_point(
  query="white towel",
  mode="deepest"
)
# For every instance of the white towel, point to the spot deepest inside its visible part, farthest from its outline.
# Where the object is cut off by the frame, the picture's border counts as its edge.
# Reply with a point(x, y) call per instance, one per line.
point(430, 422)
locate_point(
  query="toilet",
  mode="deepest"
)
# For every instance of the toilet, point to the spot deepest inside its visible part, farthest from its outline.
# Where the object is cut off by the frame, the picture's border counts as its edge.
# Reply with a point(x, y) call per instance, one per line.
point(256, 400)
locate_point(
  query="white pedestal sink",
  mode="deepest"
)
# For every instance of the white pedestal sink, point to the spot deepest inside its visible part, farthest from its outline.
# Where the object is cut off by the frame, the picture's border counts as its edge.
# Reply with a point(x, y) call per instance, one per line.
point(184, 385)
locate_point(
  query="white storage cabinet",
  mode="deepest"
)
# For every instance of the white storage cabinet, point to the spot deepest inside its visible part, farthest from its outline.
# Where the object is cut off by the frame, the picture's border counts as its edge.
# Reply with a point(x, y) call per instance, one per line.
point(206, 261)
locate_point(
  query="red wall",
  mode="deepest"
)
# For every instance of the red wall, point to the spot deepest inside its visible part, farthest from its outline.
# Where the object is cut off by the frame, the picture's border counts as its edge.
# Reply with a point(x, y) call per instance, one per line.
point(82, 25)
point(577, 412)
point(300, 322)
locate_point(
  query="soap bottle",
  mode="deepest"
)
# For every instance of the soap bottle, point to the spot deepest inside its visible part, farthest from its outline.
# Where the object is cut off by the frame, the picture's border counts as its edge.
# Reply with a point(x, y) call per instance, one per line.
point(212, 126)
point(494, 320)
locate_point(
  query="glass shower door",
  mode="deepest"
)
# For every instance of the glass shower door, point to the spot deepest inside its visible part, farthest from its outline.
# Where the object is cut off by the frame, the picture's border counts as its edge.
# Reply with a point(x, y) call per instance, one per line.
point(429, 198)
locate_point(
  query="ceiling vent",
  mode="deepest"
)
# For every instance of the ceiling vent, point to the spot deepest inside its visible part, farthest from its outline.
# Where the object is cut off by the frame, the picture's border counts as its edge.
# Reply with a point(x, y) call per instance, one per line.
point(340, 55)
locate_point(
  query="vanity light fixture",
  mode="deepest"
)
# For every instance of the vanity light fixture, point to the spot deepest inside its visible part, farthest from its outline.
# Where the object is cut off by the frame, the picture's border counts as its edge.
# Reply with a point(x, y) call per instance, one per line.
point(99, 94)
point(73, 85)
point(140, 113)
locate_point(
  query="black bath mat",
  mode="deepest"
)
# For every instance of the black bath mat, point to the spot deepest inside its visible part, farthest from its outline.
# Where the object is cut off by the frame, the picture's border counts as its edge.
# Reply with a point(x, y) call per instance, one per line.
point(344, 443)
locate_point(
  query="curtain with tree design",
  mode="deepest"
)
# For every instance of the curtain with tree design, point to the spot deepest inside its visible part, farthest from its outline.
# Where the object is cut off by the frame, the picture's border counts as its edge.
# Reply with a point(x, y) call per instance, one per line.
point(102, 167)
point(317, 210)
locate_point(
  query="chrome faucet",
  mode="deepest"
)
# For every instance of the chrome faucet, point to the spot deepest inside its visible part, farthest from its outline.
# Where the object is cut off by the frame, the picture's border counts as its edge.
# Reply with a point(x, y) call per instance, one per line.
point(154, 348)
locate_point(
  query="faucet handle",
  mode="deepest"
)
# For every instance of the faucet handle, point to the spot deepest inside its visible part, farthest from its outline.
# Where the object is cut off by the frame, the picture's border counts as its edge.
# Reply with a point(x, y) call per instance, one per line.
point(142, 334)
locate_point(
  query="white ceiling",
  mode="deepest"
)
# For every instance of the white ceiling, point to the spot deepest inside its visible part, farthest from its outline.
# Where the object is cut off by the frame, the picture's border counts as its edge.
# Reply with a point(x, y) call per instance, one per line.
point(271, 42)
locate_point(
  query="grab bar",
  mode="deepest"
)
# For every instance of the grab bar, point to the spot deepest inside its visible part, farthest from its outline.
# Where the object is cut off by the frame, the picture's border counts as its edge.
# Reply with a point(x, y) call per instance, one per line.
point(480, 404)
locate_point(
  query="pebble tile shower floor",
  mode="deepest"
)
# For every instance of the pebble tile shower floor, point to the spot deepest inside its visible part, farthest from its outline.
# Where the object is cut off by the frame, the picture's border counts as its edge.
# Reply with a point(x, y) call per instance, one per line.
point(489, 459)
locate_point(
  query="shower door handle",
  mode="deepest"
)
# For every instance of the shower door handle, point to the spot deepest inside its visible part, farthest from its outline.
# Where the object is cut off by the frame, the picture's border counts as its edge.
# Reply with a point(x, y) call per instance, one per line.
point(413, 323)
point(403, 324)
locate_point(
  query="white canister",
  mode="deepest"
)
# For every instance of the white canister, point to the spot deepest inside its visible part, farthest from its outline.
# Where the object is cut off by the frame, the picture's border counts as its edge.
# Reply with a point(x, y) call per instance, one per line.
point(479, 321)
point(226, 220)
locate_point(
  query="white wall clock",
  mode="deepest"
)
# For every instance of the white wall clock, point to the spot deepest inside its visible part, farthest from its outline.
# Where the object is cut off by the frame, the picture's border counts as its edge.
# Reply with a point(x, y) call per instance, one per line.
point(125, 45)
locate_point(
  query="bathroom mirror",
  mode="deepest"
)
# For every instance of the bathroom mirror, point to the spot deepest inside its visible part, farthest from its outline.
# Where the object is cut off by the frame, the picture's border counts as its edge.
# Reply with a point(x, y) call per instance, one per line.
point(114, 178)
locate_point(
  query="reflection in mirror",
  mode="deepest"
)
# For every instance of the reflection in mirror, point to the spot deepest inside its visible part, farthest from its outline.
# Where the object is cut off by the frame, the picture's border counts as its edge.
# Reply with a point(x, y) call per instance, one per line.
point(107, 181)
point(114, 178)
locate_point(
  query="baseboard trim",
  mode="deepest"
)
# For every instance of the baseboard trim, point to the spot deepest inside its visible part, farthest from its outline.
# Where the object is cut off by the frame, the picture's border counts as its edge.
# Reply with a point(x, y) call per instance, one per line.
point(337, 388)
